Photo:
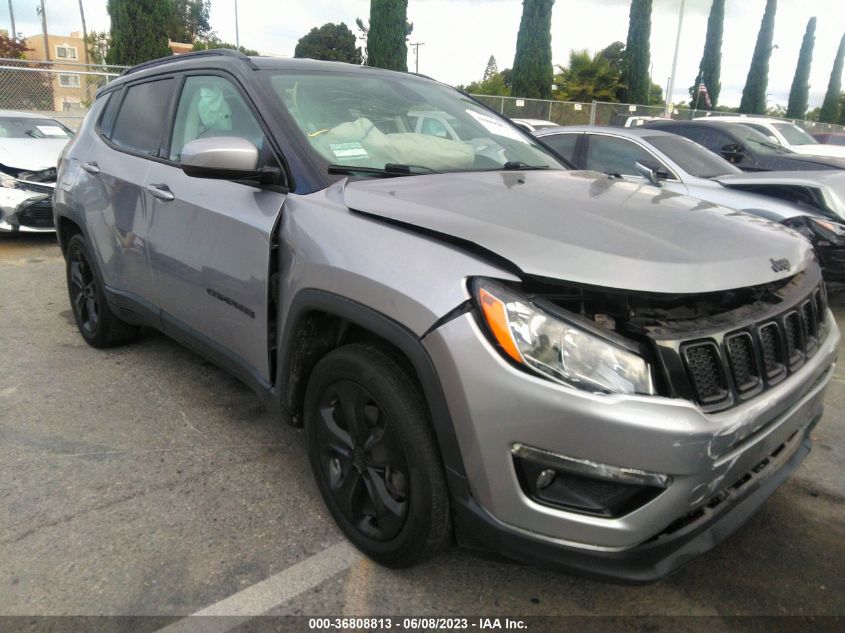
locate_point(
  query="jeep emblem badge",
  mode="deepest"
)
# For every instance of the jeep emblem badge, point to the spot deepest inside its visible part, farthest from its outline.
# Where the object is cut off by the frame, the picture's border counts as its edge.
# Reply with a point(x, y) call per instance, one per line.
point(780, 265)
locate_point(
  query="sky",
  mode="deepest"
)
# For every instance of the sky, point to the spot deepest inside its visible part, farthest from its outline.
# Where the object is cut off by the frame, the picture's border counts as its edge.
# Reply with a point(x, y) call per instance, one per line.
point(460, 35)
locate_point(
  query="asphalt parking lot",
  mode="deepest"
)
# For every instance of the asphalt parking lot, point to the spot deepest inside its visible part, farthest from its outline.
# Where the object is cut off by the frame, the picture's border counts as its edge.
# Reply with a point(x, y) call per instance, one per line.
point(145, 481)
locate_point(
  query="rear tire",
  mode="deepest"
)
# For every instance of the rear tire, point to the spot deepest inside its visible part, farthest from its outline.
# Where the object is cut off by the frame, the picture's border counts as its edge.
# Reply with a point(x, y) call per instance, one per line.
point(374, 456)
point(96, 322)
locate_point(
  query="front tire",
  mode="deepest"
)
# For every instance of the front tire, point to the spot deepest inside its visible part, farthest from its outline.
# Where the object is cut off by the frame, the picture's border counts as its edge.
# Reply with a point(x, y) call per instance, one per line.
point(96, 322)
point(374, 456)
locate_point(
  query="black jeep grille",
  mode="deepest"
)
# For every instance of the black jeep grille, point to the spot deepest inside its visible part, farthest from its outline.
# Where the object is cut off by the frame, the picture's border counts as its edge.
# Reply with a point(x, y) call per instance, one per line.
point(792, 332)
point(772, 350)
point(743, 361)
point(735, 365)
point(37, 216)
point(705, 371)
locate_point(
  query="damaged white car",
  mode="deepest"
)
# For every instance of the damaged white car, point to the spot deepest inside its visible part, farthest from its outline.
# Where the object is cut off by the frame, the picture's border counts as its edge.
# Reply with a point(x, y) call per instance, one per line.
point(30, 145)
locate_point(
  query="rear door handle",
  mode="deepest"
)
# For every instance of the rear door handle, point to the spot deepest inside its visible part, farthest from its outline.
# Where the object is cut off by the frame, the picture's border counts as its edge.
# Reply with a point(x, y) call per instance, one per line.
point(162, 192)
point(91, 168)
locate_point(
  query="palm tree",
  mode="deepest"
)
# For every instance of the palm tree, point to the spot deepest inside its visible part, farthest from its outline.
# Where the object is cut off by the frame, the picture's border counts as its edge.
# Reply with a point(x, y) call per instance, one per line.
point(588, 77)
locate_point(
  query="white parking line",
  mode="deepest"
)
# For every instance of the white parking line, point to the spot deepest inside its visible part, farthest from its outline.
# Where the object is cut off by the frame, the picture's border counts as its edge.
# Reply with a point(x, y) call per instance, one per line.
point(267, 594)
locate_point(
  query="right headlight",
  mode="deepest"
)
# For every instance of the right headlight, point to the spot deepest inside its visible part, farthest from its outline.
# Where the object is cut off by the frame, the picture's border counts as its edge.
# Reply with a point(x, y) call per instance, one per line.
point(549, 345)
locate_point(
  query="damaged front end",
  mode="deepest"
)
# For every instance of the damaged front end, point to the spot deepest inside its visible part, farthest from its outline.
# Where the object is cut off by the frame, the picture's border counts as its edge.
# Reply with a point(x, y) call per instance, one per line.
point(26, 200)
point(715, 349)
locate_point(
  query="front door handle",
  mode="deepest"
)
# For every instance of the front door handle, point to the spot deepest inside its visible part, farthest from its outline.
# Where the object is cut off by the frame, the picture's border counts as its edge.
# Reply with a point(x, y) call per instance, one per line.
point(162, 192)
point(91, 168)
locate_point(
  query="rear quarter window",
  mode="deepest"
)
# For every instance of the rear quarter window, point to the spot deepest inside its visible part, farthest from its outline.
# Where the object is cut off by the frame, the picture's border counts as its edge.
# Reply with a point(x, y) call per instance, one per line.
point(110, 103)
point(143, 117)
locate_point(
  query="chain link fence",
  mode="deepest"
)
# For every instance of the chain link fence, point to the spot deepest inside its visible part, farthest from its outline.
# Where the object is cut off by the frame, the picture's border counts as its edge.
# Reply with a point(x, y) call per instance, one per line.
point(560, 112)
point(614, 114)
point(63, 90)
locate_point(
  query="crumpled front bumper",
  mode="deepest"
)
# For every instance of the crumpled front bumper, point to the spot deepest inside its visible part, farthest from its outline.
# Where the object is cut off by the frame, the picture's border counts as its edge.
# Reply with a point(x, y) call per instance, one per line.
point(495, 406)
point(25, 211)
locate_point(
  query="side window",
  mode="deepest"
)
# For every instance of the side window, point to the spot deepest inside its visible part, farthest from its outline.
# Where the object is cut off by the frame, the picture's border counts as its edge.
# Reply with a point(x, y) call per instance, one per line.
point(563, 144)
point(208, 107)
point(143, 116)
point(712, 139)
point(715, 140)
point(614, 155)
point(107, 115)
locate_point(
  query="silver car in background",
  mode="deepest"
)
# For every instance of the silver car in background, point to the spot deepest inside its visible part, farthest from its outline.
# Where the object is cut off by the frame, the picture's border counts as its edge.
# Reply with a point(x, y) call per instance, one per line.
point(30, 145)
point(807, 201)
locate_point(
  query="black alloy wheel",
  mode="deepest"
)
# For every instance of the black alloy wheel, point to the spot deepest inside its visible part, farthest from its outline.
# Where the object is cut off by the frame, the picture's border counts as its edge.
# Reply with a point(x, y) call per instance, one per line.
point(374, 455)
point(362, 461)
point(97, 324)
point(83, 292)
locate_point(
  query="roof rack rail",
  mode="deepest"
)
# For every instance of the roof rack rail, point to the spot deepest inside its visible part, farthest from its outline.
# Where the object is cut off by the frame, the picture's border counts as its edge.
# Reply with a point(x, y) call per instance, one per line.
point(223, 52)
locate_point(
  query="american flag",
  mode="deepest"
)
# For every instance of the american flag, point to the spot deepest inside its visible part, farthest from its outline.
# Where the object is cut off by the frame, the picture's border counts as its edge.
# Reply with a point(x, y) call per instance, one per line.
point(702, 89)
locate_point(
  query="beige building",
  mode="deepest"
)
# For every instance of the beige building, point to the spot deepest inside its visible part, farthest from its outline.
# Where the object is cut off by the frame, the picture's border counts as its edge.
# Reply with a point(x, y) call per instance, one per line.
point(71, 90)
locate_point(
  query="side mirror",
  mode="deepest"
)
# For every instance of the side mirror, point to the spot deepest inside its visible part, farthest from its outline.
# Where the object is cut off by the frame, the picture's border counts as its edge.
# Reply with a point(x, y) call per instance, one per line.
point(651, 171)
point(733, 152)
point(225, 158)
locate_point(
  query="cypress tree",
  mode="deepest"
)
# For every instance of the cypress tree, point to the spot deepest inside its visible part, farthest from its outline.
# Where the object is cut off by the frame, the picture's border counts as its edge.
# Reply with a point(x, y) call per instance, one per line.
point(799, 94)
point(830, 107)
point(635, 63)
point(710, 68)
point(533, 74)
point(754, 94)
point(387, 34)
point(492, 69)
point(138, 30)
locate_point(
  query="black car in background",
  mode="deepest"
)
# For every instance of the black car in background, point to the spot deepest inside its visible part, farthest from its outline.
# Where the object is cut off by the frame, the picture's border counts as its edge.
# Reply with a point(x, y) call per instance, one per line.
point(744, 147)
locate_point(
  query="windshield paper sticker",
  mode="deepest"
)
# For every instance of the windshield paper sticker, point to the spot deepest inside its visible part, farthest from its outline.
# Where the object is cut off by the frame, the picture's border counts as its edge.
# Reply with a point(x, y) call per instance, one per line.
point(51, 130)
point(348, 150)
point(494, 126)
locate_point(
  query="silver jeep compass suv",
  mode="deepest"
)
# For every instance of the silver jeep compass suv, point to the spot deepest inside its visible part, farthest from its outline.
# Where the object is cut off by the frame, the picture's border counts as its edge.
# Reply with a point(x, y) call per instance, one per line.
point(481, 344)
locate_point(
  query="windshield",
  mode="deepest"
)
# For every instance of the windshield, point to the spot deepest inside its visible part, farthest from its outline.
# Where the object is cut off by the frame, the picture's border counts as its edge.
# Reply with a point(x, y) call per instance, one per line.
point(31, 127)
point(692, 157)
point(377, 122)
point(794, 135)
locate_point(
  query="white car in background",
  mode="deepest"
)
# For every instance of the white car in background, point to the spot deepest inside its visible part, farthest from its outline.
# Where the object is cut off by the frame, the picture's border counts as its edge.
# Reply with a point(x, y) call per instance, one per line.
point(30, 145)
point(786, 134)
point(533, 125)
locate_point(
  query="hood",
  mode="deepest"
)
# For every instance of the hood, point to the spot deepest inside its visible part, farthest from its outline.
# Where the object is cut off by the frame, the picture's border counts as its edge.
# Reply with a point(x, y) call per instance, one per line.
point(31, 154)
point(817, 149)
point(796, 161)
point(826, 188)
point(586, 228)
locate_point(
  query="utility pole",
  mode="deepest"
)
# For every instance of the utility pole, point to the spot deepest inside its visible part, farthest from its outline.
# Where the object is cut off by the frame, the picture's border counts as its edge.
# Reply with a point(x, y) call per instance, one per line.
point(12, 18)
point(84, 33)
point(237, 32)
point(43, 15)
point(671, 88)
point(416, 46)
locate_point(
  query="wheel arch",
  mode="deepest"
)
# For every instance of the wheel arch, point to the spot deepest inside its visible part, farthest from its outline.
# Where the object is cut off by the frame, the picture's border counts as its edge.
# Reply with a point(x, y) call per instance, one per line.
point(318, 321)
point(66, 228)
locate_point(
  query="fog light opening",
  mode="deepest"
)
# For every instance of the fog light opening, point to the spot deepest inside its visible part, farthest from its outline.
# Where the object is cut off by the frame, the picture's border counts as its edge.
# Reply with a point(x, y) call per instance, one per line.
point(582, 486)
point(545, 478)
